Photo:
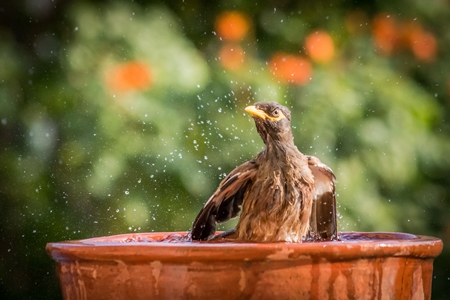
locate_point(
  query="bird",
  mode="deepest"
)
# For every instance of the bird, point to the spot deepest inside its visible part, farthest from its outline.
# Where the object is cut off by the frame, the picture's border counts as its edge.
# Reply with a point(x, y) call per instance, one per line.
point(281, 195)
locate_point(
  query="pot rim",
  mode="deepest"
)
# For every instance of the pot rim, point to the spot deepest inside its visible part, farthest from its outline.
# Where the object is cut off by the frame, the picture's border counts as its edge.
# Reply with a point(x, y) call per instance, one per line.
point(147, 247)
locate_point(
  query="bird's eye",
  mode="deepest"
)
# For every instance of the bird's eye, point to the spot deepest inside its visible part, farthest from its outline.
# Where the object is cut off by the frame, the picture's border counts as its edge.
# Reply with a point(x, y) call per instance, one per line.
point(276, 112)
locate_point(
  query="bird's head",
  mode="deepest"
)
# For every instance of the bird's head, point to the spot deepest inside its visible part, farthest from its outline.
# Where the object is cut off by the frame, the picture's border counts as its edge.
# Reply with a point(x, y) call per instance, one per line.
point(273, 121)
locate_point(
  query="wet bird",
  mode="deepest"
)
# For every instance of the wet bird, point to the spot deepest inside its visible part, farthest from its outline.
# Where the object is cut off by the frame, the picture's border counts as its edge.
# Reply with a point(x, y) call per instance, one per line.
point(284, 195)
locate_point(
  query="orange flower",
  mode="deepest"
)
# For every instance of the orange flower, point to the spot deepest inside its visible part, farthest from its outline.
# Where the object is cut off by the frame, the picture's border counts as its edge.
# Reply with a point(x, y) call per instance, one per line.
point(320, 46)
point(232, 25)
point(290, 68)
point(385, 33)
point(423, 44)
point(231, 56)
point(390, 35)
point(129, 76)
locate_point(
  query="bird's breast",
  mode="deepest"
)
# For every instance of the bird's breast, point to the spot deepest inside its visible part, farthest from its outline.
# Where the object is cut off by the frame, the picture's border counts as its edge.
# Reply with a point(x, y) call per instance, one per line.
point(273, 205)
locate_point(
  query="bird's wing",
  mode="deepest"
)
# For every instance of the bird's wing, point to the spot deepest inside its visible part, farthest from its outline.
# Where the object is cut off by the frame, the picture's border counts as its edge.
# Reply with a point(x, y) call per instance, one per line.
point(323, 225)
point(225, 203)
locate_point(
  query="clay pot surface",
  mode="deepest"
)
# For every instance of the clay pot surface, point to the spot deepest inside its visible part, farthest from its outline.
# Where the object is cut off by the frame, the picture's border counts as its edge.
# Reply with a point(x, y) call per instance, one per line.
point(362, 265)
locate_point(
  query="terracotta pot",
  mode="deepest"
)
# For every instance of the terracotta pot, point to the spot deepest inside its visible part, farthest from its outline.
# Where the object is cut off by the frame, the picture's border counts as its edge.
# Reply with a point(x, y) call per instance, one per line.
point(141, 266)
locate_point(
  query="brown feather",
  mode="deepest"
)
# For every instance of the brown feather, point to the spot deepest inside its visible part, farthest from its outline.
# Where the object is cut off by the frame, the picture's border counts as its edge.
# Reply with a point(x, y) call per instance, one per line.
point(323, 223)
point(225, 203)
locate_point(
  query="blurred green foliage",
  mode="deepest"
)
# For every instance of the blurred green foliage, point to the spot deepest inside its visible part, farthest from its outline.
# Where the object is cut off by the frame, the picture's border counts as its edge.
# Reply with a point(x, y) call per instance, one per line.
point(119, 116)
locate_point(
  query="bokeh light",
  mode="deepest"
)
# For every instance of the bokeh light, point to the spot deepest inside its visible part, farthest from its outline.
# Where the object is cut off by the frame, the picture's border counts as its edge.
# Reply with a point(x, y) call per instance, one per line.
point(320, 46)
point(290, 68)
point(232, 25)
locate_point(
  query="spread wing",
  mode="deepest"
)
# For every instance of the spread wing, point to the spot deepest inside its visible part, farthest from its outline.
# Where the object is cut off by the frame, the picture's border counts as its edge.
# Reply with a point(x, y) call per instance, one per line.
point(225, 203)
point(323, 225)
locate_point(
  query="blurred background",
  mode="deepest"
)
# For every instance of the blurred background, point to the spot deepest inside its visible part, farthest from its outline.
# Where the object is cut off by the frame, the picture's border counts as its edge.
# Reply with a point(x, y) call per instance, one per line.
point(123, 116)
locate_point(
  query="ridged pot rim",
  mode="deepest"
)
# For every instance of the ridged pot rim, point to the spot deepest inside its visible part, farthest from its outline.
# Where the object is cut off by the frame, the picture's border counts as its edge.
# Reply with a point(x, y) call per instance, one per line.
point(135, 247)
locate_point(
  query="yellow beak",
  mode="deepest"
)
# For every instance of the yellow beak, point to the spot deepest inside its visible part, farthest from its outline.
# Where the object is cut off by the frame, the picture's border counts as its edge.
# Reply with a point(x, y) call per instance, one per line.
point(255, 112)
